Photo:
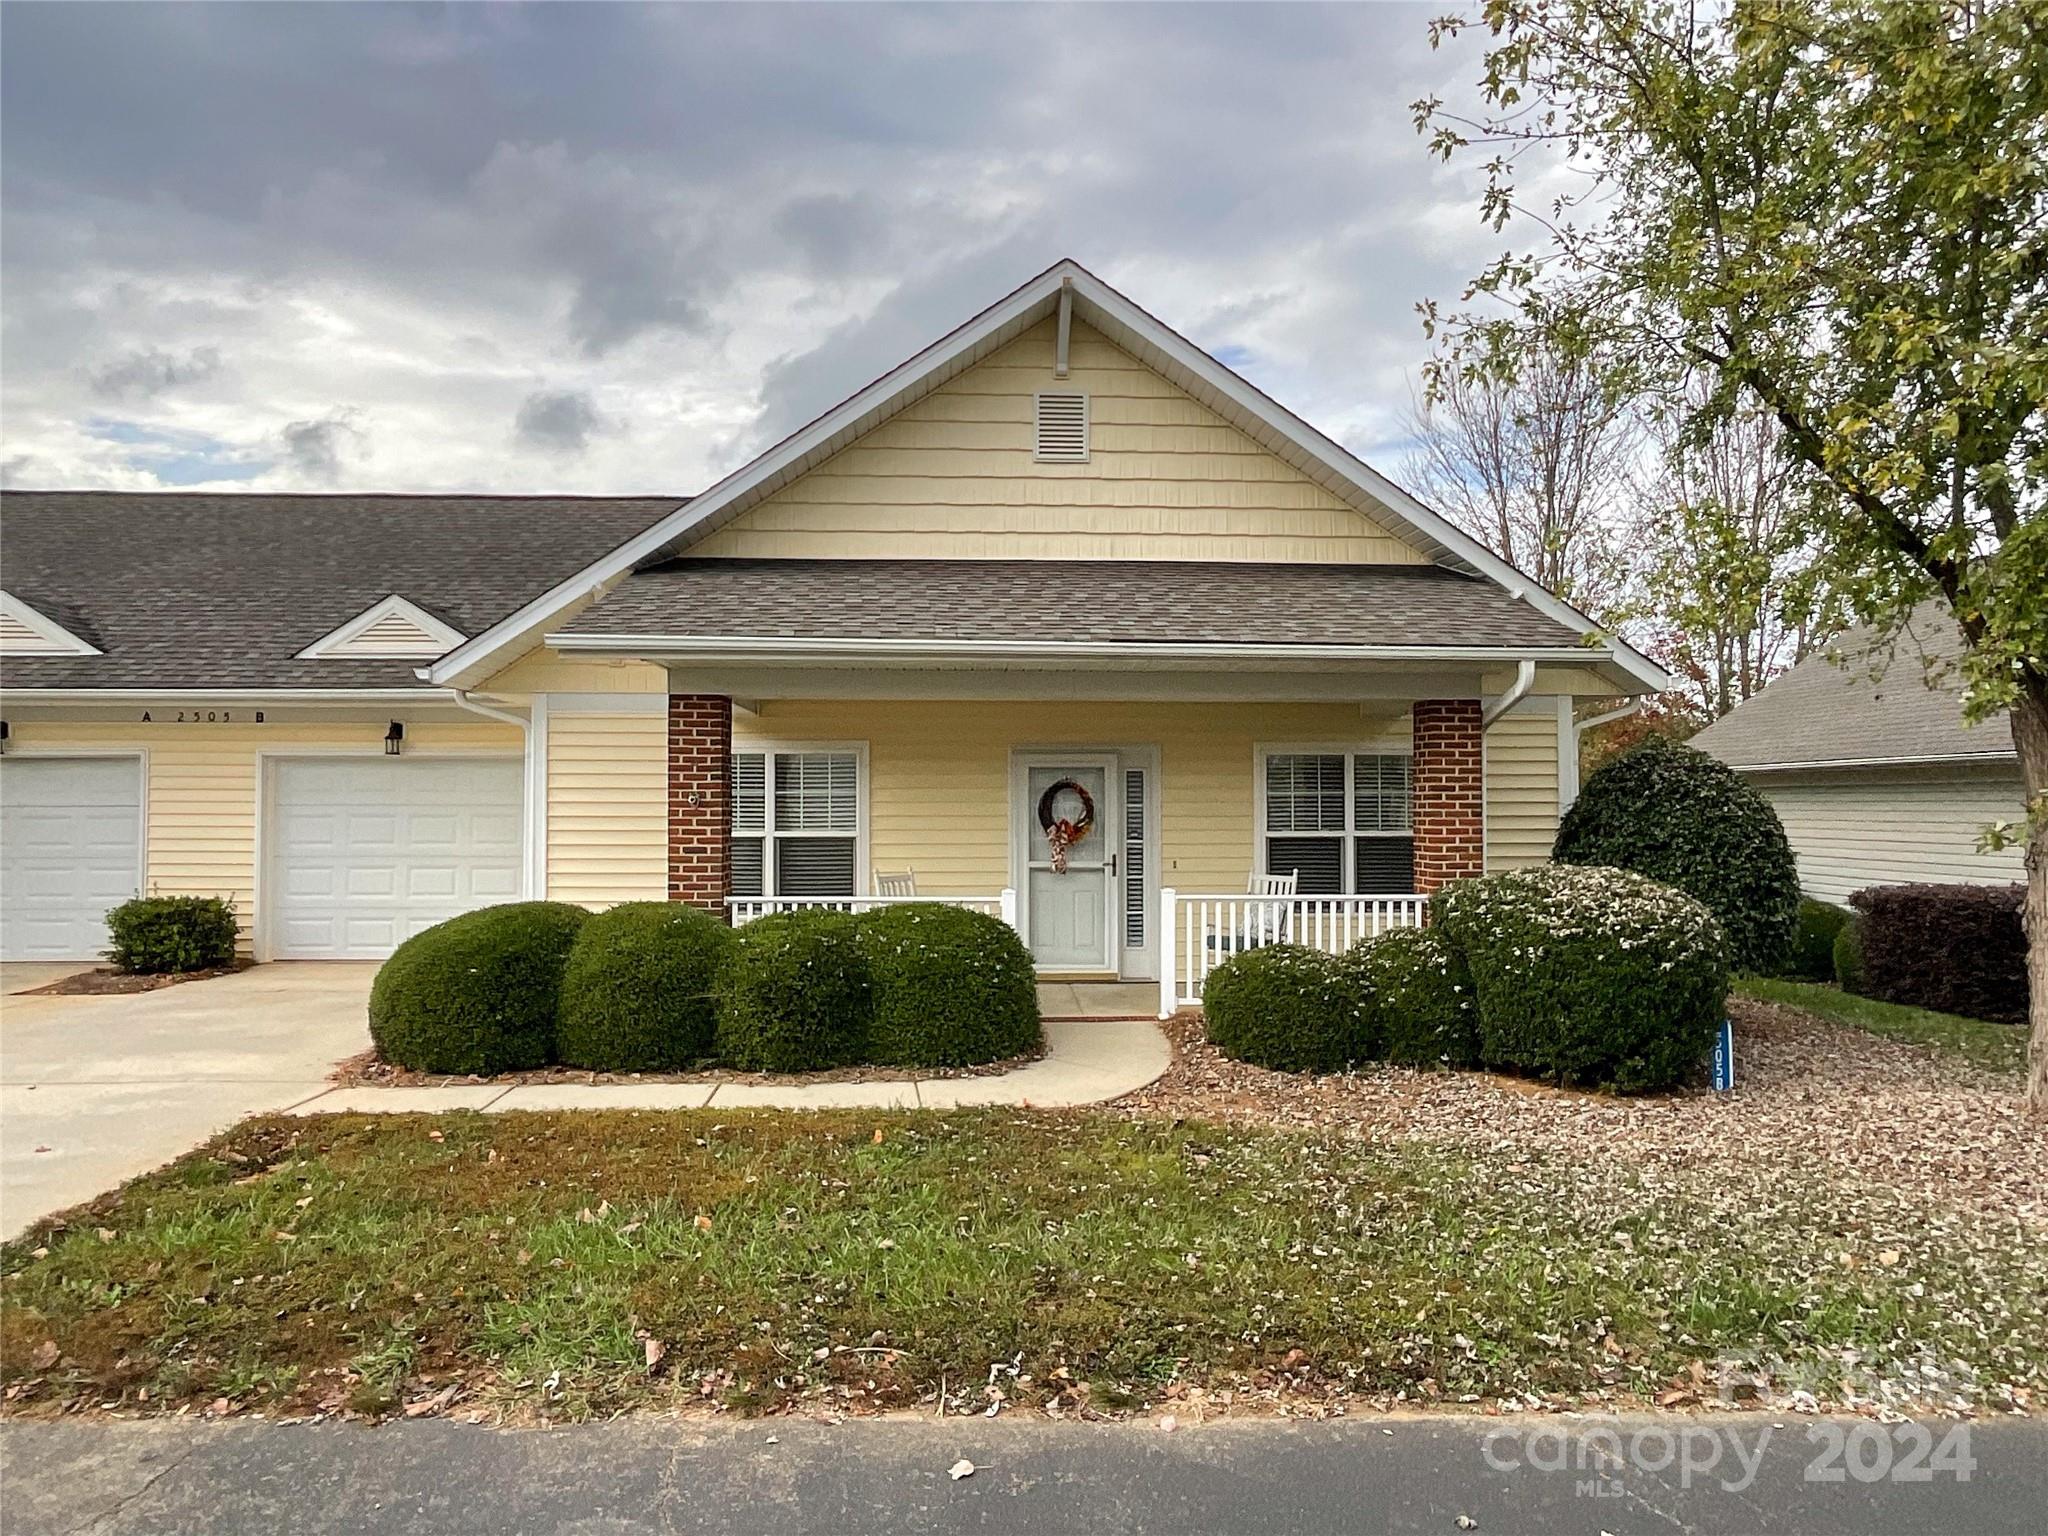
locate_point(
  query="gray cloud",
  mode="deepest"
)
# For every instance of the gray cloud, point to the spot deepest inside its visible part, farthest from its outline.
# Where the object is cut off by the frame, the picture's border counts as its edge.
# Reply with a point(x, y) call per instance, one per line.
point(556, 420)
point(317, 449)
point(718, 220)
point(151, 371)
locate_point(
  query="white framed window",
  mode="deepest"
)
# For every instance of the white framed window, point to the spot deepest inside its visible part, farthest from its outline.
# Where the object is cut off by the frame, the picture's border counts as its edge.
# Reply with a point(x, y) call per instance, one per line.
point(1340, 818)
point(798, 822)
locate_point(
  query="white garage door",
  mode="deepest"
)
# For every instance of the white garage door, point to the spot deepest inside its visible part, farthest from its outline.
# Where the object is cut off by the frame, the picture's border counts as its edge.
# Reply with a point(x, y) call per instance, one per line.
point(70, 848)
point(364, 852)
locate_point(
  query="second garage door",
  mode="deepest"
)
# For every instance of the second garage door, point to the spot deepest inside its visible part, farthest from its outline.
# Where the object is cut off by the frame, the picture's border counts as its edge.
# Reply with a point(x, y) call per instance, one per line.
point(362, 853)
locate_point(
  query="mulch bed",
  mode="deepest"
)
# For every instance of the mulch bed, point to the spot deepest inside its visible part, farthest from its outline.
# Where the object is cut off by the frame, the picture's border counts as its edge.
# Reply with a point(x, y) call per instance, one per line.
point(103, 981)
point(1811, 1097)
point(368, 1070)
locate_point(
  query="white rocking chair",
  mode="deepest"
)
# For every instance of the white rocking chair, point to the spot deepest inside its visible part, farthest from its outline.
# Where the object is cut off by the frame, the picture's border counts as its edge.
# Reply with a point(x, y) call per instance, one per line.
point(904, 884)
point(1268, 916)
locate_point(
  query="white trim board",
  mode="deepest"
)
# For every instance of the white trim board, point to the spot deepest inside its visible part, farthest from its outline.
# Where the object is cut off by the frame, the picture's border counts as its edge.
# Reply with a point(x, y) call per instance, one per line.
point(54, 638)
point(1129, 327)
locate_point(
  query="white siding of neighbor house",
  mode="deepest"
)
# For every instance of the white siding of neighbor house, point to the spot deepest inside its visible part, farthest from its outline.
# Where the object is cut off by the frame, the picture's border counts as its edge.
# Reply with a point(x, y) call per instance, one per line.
point(1854, 831)
point(953, 476)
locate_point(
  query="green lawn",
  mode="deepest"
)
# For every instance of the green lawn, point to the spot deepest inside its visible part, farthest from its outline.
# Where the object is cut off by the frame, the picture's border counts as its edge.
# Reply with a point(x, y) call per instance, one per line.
point(867, 1258)
point(1995, 1047)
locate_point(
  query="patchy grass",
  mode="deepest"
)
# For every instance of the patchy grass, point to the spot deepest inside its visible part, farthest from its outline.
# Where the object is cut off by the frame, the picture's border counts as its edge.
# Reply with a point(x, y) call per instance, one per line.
point(539, 1262)
point(1994, 1047)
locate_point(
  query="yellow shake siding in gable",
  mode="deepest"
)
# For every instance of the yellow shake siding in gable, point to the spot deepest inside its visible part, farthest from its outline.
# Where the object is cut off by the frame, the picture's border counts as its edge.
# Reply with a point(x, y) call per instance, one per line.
point(607, 807)
point(952, 477)
point(202, 789)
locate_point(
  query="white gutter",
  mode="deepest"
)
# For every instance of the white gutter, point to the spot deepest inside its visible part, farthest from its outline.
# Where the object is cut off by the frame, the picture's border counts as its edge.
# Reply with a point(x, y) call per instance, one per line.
point(777, 646)
point(1880, 762)
point(463, 698)
point(273, 695)
point(1525, 679)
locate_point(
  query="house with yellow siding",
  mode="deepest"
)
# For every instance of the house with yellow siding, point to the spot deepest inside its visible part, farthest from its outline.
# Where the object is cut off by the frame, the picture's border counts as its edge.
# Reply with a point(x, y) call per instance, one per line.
point(1060, 618)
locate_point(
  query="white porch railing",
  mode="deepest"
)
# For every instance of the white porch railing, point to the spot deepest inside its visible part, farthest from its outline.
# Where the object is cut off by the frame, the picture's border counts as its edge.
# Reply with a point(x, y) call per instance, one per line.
point(1198, 933)
point(744, 909)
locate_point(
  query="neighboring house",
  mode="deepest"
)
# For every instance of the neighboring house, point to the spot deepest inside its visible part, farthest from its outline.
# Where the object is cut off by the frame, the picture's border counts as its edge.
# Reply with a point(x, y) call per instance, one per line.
point(1061, 550)
point(1863, 750)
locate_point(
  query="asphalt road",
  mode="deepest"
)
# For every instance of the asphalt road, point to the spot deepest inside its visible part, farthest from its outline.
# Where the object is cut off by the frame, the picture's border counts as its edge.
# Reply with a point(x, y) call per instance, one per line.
point(1248, 1479)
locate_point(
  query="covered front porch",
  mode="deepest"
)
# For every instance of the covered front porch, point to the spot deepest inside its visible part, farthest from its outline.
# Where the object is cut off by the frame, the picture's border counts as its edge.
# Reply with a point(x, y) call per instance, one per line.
point(1144, 766)
point(1129, 841)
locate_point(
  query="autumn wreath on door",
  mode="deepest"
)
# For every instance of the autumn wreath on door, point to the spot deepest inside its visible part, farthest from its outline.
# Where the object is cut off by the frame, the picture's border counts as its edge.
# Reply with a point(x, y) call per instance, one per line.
point(1063, 832)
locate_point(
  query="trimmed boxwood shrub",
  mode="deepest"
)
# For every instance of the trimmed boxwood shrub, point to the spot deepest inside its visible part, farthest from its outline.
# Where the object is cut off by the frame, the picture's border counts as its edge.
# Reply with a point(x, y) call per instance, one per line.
point(1284, 1006)
point(478, 993)
point(1849, 955)
point(1812, 957)
point(1954, 948)
point(639, 993)
point(949, 987)
point(794, 995)
point(160, 935)
point(1592, 977)
point(1687, 820)
point(1417, 995)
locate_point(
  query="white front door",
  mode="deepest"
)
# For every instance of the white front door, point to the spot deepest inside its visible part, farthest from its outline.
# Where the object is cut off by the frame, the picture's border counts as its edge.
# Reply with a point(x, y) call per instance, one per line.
point(1069, 915)
point(70, 850)
point(364, 852)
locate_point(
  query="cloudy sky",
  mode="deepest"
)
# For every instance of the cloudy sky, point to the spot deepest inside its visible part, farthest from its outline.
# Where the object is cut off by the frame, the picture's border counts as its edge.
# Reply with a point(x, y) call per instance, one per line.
point(609, 248)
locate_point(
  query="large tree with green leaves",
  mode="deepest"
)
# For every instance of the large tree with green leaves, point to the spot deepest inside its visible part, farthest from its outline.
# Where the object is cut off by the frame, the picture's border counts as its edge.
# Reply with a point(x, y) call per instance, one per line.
point(1836, 210)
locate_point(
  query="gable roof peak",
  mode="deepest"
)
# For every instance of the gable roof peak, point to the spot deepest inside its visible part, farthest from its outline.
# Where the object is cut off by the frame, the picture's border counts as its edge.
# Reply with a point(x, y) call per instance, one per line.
point(1129, 327)
point(391, 629)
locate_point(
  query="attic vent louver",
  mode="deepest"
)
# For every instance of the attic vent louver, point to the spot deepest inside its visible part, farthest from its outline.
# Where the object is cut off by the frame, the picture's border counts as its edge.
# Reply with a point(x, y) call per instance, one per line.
point(1062, 436)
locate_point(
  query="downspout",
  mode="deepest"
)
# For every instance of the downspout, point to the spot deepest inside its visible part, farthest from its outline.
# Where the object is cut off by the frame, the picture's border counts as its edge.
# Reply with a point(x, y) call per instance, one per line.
point(1525, 679)
point(1580, 727)
point(1575, 743)
point(535, 782)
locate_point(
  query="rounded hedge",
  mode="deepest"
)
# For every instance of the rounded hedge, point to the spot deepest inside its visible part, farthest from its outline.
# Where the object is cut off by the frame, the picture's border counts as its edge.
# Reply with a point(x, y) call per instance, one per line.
point(1284, 1006)
point(793, 995)
point(1812, 956)
point(155, 935)
point(1417, 995)
point(1849, 956)
point(1687, 820)
point(639, 993)
point(949, 987)
point(1591, 977)
point(478, 993)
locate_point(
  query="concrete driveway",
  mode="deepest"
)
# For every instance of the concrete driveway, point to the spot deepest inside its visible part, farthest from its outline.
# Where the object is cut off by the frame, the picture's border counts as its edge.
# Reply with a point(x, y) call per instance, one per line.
point(94, 1090)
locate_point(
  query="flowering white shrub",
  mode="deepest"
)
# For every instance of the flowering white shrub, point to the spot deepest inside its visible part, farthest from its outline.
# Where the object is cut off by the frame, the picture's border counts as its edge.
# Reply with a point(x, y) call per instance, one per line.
point(1417, 993)
point(1593, 976)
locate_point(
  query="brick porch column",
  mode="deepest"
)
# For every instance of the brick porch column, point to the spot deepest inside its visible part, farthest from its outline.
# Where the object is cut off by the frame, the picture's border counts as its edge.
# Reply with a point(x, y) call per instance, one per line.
point(1450, 791)
point(700, 799)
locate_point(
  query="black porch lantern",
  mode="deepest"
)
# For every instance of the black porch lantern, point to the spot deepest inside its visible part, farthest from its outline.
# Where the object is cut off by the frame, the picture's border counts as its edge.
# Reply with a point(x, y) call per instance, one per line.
point(394, 738)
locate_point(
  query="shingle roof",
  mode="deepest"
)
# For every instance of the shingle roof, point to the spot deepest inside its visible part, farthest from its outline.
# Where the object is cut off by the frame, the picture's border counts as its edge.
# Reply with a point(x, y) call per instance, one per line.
point(1823, 711)
point(1115, 601)
point(223, 591)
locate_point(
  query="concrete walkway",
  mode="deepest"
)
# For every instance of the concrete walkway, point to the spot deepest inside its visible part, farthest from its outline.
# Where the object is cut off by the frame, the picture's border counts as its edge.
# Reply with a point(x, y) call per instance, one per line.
point(1086, 1061)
